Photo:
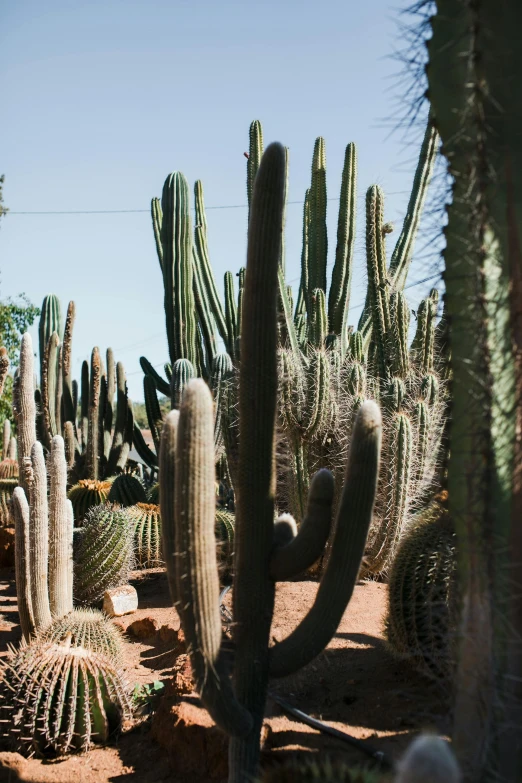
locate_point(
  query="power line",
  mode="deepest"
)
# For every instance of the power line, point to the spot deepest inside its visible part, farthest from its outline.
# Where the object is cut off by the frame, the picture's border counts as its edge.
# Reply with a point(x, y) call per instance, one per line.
point(137, 211)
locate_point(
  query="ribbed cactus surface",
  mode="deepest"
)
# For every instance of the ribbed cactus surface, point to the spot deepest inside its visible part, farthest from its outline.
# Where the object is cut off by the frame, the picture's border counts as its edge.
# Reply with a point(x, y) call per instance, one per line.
point(87, 628)
point(8, 469)
point(153, 495)
point(86, 494)
point(147, 535)
point(65, 698)
point(127, 490)
point(423, 604)
point(7, 487)
point(104, 553)
point(225, 522)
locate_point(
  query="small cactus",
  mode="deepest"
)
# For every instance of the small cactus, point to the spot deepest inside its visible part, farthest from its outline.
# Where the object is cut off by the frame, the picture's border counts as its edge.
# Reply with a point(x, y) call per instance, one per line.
point(86, 494)
point(65, 698)
point(225, 523)
point(147, 535)
point(104, 554)
point(127, 490)
point(86, 628)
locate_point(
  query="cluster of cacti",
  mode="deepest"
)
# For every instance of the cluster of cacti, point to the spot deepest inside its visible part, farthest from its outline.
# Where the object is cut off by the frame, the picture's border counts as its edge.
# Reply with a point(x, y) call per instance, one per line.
point(62, 689)
point(103, 553)
point(474, 92)
point(264, 552)
point(147, 535)
point(423, 602)
point(98, 441)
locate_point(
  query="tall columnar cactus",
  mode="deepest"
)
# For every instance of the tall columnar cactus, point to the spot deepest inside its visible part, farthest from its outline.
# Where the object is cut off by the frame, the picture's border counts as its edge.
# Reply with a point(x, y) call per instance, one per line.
point(473, 75)
point(50, 322)
point(188, 509)
point(24, 406)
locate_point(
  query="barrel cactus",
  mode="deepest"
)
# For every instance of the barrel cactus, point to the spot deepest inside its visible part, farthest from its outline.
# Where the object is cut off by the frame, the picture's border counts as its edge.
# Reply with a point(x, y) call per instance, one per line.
point(127, 490)
point(147, 535)
point(8, 469)
point(86, 494)
point(104, 553)
point(86, 628)
point(423, 605)
point(64, 698)
point(153, 495)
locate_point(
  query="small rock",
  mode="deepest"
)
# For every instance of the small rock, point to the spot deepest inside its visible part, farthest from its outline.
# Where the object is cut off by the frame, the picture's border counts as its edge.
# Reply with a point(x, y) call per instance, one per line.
point(144, 628)
point(168, 634)
point(120, 600)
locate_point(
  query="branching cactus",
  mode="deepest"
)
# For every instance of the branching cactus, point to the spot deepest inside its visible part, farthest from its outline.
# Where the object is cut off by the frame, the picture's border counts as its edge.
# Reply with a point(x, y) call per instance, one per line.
point(188, 509)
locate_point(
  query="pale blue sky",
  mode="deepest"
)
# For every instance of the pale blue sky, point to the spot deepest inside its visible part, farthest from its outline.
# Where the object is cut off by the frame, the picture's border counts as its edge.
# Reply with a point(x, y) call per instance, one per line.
point(102, 99)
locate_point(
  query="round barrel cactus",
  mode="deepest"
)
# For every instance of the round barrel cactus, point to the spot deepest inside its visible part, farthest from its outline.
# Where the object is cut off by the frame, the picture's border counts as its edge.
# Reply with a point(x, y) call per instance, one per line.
point(87, 628)
point(104, 553)
point(65, 698)
point(86, 494)
point(127, 490)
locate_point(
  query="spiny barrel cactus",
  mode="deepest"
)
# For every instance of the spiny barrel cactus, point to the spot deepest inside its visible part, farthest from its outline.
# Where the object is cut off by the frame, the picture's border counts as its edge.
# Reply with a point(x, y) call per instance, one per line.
point(127, 490)
point(64, 697)
point(86, 494)
point(187, 475)
point(147, 535)
point(104, 555)
point(86, 628)
point(423, 602)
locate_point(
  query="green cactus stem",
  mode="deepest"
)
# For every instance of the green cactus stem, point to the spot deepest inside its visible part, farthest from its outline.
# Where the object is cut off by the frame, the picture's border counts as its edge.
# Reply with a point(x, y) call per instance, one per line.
point(147, 535)
point(127, 490)
point(50, 321)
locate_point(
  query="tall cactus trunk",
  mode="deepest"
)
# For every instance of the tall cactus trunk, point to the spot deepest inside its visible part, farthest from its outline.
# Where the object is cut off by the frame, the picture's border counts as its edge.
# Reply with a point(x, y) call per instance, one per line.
point(474, 89)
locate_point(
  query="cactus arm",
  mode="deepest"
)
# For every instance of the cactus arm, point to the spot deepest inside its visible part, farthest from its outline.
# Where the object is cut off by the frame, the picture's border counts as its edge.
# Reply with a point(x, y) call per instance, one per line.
point(351, 530)
point(70, 445)
point(339, 295)
point(304, 285)
point(49, 382)
point(154, 415)
point(302, 551)
point(22, 560)
point(60, 533)
point(157, 219)
point(25, 406)
point(146, 453)
point(290, 332)
point(377, 275)
point(92, 456)
point(403, 250)
point(39, 539)
point(253, 588)
point(122, 407)
point(207, 275)
point(230, 314)
point(318, 328)
point(58, 404)
point(221, 369)
point(84, 402)
point(176, 240)
point(109, 405)
point(206, 321)
point(69, 411)
point(187, 512)
point(318, 241)
point(161, 384)
point(50, 321)
point(254, 157)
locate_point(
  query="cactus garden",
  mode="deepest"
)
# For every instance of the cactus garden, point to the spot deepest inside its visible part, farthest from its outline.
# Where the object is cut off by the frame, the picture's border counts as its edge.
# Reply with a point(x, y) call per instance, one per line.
point(295, 555)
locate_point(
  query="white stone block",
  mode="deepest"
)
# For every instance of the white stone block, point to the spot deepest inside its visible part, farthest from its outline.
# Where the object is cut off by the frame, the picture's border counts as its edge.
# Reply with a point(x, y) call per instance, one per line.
point(120, 600)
